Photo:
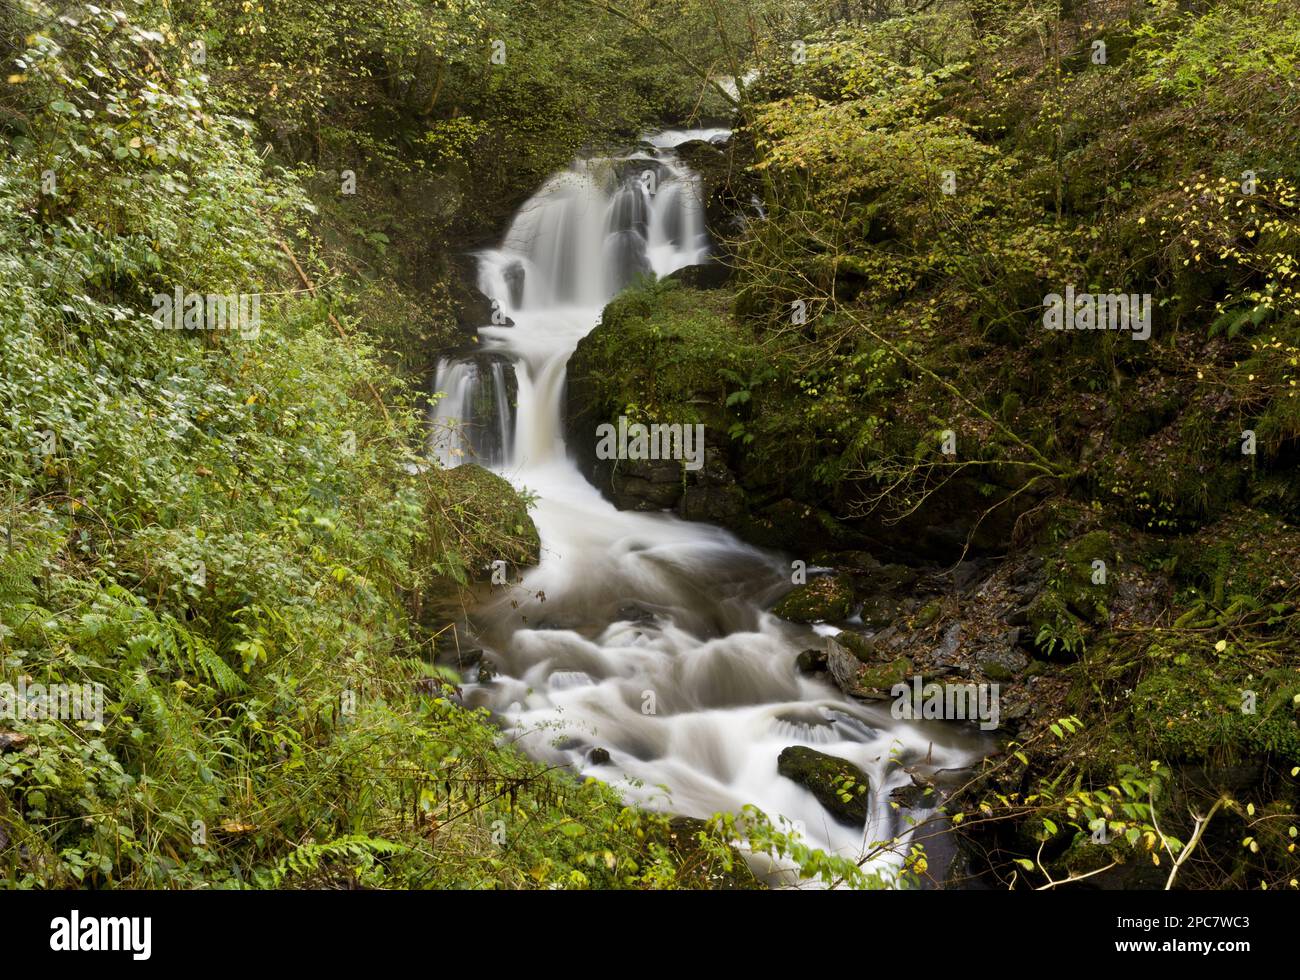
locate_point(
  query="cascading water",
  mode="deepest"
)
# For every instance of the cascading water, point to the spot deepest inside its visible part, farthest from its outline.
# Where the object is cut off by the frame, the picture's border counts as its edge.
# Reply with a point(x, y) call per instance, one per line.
point(472, 421)
point(653, 642)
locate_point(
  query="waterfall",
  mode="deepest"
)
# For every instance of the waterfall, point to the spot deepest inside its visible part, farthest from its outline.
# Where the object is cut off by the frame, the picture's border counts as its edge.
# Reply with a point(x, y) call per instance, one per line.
point(472, 419)
point(642, 634)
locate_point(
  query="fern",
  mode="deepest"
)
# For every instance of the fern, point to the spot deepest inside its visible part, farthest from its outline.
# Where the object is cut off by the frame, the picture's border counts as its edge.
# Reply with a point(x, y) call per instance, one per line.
point(308, 857)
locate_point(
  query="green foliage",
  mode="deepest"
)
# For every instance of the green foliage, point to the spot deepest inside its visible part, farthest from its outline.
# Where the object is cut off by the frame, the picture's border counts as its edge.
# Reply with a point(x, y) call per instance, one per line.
point(223, 531)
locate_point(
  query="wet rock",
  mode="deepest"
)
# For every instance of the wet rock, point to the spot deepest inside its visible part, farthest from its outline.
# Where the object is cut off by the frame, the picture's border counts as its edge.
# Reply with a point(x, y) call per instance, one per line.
point(634, 613)
point(471, 308)
point(711, 493)
point(711, 275)
point(828, 598)
point(862, 647)
point(859, 678)
point(1000, 663)
point(811, 662)
point(598, 756)
point(843, 667)
point(646, 484)
point(460, 659)
point(839, 786)
point(514, 277)
point(915, 795)
point(486, 672)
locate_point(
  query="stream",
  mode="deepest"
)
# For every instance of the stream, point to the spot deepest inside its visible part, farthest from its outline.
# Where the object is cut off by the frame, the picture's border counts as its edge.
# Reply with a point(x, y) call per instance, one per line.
point(653, 641)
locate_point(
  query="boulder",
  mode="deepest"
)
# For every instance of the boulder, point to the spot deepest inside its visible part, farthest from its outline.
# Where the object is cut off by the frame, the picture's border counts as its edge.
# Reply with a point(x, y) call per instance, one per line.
point(839, 786)
point(710, 275)
point(827, 598)
point(1001, 663)
point(811, 662)
point(703, 865)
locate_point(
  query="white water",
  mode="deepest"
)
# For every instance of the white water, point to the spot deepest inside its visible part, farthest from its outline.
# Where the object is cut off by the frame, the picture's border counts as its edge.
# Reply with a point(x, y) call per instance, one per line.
point(646, 606)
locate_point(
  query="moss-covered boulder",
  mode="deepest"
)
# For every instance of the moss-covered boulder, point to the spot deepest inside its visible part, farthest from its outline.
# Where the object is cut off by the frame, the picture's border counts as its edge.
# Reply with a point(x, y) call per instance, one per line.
point(860, 646)
point(475, 519)
point(839, 786)
point(827, 598)
point(861, 670)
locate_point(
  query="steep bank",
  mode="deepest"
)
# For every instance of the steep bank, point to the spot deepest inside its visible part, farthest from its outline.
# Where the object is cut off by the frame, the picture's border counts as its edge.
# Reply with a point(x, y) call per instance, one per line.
point(1104, 524)
point(225, 527)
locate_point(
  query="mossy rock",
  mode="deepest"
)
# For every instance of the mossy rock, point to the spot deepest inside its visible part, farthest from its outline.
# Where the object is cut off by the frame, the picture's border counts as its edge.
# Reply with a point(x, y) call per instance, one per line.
point(1087, 586)
point(927, 615)
point(858, 645)
point(1076, 596)
point(839, 786)
point(712, 863)
point(879, 611)
point(885, 676)
point(475, 518)
point(828, 598)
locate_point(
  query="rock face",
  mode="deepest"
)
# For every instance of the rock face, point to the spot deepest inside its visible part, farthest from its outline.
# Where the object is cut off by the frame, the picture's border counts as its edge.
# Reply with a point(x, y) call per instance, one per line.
point(707, 494)
point(839, 785)
point(726, 186)
point(469, 306)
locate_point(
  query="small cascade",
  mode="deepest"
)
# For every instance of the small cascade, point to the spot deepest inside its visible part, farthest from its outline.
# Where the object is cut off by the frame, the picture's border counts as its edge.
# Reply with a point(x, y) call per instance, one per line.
point(473, 421)
point(588, 233)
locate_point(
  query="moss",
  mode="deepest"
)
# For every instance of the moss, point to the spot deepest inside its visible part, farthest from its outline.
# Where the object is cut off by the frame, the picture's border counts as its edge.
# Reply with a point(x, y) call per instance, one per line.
point(927, 614)
point(1248, 552)
point(828, 598)
point(475, 518)
point(1193, 708)
point(839, 785)
point(1075, 596)
point(858, 645)
point(660, 354)
point(885, 676)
